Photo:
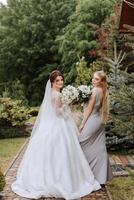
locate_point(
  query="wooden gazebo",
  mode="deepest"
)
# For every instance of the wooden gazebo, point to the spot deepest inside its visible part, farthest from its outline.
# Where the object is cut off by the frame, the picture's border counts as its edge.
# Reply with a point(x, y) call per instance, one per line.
point(127, 17)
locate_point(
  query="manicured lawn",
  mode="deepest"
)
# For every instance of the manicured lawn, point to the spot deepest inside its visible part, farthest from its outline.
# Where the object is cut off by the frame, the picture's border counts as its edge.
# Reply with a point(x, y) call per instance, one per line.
point(8, 149)
point(122, 188)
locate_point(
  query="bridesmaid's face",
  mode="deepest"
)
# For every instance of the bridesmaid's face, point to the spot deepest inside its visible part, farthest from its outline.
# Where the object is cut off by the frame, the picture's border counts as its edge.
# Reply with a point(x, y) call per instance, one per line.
point(58, 83)
point(96, 80)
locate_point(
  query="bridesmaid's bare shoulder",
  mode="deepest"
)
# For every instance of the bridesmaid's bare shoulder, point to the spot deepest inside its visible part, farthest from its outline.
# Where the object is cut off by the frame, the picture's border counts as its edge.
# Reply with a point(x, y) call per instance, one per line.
point(97, 89)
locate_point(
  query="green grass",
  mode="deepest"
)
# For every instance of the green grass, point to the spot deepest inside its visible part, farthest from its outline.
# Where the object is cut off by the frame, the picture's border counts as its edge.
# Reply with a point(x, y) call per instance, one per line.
point(8, 149)
point(122, 188)
point(122, 151)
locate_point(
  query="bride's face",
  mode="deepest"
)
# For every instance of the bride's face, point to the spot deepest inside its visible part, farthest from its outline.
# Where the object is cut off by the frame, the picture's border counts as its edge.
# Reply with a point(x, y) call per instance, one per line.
point(58, 83)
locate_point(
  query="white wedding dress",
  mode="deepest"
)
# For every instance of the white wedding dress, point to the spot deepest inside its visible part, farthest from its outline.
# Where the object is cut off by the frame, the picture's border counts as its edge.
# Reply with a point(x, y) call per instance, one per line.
point(54, 164)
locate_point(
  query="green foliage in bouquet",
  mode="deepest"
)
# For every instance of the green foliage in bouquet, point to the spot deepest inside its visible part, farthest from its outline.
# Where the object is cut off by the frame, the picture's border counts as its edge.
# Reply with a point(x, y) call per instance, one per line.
point(2, 181)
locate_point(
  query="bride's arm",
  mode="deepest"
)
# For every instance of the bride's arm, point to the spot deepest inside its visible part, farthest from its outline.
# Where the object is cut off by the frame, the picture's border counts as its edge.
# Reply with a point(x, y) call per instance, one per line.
point(88, 109)
point(59, 107)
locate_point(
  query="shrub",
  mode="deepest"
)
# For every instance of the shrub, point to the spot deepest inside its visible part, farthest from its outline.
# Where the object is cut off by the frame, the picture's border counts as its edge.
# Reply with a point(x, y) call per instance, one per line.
point(12, 112)
point(13, 132)
point(15, 90)
point(84, 72)
point(33, 111)
point(2, 181)
point(13, 116)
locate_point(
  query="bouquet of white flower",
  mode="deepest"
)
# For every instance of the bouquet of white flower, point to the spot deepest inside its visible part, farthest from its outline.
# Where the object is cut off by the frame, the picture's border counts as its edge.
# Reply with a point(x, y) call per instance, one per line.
point(84, 93)
point(69, 94)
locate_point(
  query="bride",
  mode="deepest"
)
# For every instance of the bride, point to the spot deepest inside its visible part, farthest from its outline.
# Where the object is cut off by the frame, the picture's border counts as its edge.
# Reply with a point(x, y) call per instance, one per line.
point(54, 164)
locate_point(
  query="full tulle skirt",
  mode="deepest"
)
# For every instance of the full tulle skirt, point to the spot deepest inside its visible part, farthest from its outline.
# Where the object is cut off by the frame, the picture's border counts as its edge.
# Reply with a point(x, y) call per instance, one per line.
point(54, 164)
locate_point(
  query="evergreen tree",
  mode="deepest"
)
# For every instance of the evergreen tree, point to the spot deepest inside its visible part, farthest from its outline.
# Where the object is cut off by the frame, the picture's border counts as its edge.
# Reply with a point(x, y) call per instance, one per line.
point(121, 99)
point(78, 38)
point(28, 51)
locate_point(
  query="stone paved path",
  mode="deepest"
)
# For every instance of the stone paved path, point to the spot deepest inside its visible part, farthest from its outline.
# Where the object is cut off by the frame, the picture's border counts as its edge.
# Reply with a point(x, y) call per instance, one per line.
point(119, 164)
point(11, 175)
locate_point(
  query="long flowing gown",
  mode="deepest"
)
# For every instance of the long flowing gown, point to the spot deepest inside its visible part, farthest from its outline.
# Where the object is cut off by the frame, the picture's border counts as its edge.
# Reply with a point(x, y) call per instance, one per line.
point(93, 142)
point(54, 164)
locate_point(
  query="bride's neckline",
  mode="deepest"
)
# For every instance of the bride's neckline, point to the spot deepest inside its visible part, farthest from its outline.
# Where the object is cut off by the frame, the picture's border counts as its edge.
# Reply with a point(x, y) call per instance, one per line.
point(53, 90)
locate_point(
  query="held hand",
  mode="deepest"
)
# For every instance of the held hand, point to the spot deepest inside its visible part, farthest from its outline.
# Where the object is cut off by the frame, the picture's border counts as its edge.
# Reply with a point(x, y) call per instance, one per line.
point(81, 128)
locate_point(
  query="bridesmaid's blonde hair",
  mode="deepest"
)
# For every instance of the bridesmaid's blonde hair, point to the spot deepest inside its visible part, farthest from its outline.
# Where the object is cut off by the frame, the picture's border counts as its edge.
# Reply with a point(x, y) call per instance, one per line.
point(105, 100)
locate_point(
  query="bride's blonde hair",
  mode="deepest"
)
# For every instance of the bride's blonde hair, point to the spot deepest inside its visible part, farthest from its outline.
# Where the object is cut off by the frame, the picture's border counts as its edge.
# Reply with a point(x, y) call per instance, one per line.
point(105, 101)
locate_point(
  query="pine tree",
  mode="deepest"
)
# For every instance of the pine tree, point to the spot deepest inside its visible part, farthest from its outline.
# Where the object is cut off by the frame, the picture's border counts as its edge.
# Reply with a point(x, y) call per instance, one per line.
point(79, 38)
point(122, 100)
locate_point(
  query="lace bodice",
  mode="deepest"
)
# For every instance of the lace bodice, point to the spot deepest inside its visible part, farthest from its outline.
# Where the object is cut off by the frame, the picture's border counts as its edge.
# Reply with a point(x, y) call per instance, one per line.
point(60, 109)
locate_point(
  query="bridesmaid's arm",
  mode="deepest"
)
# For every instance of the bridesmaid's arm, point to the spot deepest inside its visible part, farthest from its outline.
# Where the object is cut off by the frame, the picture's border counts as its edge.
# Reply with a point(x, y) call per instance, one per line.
point(88, 110)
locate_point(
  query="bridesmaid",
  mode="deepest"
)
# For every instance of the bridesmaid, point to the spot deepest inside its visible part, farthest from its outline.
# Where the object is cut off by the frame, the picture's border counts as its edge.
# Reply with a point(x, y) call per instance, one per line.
point(92, 129)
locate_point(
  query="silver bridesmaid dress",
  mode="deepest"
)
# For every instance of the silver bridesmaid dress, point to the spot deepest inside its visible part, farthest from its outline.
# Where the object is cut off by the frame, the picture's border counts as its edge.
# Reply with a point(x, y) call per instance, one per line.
point(93, 143)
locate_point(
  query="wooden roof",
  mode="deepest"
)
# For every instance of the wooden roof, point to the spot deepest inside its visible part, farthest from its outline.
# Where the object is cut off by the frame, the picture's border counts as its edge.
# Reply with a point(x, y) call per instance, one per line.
point(127, 16)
